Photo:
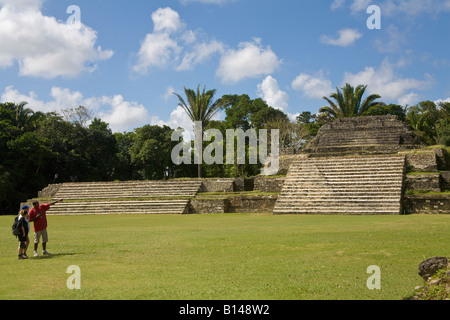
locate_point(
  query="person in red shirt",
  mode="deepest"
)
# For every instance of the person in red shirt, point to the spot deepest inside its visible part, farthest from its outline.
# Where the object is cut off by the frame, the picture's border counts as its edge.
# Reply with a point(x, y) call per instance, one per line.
point(38, 215)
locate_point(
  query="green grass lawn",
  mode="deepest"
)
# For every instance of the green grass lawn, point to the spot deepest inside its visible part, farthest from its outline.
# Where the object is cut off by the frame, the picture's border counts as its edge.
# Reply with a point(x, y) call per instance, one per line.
point(228, 256)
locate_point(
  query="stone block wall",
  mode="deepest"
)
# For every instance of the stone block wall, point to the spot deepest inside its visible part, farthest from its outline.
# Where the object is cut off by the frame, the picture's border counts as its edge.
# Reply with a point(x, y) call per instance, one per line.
point(269, 184)
point(445, 180)
point(427, 204)
point(227, 185)
point(430, 182)
point(422, 162)
point(252, 203)
point(208, 206)
point(217, 185)
point(50, 191)
point(234, 204)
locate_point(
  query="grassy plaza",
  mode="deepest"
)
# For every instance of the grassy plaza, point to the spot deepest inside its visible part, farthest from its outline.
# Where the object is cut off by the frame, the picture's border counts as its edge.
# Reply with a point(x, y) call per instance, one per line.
point(226, 256)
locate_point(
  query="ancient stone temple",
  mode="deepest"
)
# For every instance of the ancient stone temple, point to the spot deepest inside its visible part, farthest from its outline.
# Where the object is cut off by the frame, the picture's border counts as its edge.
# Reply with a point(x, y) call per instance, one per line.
point(351, 167)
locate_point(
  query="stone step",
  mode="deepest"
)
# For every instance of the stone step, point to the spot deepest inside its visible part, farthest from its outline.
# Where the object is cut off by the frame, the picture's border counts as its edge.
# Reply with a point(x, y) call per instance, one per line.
point(301, 183)
point(128, 185)
point(111, 197)
point(128, 189)
point(366, 197)
point(337, 211)
point(354, 159)
point(335, 168)
point(315, 194)
point(106, 195)
point(348, 185)
point(337, 177)
point(117, 207)
point(322, 203)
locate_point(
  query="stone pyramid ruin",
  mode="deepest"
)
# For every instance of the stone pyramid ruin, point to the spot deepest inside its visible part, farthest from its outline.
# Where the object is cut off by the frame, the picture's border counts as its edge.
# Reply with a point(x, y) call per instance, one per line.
point(351, 167)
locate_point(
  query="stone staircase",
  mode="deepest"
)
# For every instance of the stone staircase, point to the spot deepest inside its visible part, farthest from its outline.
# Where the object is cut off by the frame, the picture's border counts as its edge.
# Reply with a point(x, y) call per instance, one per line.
point(343, 185)
point(130, 197)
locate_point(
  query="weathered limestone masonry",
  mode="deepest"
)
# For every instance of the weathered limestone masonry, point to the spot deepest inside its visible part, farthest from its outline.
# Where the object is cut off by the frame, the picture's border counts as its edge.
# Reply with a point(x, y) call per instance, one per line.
point(343, 185)
point(362, 135)
point(427, 173)
point(240, 203)
point(351, 167)
point(157, 197)
point(130, 197)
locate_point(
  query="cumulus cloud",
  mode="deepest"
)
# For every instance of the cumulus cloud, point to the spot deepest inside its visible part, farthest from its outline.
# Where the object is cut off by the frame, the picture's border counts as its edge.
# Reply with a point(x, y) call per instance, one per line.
point(156, 51)
point(200, 53)
point(166, 20)
point(171, 42)
point(387, 84)
point(250, 60)
point(409, 99)
point(172, 45)
point(42, 46)
point(121, 115)
point(270, 91)
point(313, 86)
point(346, 38)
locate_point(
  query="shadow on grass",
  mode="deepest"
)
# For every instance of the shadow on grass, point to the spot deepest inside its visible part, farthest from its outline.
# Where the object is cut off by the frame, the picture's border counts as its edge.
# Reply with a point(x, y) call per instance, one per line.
point(51, 256)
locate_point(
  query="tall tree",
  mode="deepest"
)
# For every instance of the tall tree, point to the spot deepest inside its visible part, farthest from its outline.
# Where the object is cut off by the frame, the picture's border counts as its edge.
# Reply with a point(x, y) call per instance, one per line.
point(150, 152)
point(200, 107)
point(349, 102)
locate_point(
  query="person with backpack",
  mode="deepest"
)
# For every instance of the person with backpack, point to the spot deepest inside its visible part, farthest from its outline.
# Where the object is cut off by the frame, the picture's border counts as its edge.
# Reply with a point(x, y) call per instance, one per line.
point(39, 218)
point(23, 227)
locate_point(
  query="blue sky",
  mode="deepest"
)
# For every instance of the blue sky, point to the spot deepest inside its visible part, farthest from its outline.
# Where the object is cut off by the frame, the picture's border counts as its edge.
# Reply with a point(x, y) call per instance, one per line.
point(126, 57)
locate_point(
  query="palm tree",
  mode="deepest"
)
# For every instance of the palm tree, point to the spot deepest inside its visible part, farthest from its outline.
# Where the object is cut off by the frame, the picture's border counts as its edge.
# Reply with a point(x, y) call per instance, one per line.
point(348, 103)
point(200, 107)
point(26, 118)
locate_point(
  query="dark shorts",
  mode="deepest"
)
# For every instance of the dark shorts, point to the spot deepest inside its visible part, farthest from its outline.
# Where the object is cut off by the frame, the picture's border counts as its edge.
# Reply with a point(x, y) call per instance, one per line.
point(22, 241)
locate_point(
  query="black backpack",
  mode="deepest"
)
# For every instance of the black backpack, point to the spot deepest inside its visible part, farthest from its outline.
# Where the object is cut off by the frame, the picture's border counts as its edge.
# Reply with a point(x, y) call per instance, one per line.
point(16, 230)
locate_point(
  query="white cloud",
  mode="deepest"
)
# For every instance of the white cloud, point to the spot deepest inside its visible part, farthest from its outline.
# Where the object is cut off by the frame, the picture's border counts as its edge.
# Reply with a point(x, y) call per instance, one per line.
point(166, 20)
point(199, 54)
point(315, 87)
point(346, 38)
point(12, 95)
point(359, 5)
point(437, 102)
point(22, 4)
point(42, 46)
point(386, 83)
point(169, 93)
point(250, 60)
point(171, 43)
point(270, 91)
point(121, 115)
point(156, 51)
point(409, 99)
